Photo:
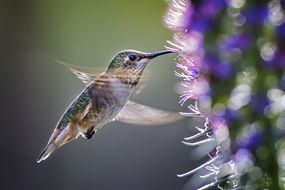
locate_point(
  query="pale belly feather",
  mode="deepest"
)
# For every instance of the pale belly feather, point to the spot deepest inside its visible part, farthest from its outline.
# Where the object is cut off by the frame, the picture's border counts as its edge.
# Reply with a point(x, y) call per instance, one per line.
point(107, 102)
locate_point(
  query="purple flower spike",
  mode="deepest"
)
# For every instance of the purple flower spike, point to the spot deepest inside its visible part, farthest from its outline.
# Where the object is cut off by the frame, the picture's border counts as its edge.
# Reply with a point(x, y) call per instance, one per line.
point(194, 69)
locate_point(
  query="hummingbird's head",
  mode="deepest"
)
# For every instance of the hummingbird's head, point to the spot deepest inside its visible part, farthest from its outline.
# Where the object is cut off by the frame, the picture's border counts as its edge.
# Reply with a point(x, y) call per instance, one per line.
point(134, 61)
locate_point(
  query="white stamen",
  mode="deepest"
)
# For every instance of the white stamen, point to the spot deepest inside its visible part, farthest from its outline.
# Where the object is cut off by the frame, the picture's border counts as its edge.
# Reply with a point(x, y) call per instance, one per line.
point(198, 168)
point(198, 142)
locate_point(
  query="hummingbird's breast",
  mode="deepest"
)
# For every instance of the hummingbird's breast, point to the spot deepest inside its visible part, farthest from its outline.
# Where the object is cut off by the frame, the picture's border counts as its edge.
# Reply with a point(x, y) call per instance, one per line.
point(108, 96)
point(97, 105)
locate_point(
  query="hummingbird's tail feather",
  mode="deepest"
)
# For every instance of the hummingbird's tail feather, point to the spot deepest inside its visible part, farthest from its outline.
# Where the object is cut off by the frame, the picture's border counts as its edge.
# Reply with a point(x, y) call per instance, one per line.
point(58, 138)
point(46, 152)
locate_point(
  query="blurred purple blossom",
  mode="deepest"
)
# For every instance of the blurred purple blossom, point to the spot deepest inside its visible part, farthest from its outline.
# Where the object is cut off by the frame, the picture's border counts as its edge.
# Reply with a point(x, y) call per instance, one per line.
point(205, 11)
point(256, 15)
point(210, 8)
point(240, 41)
point(243, 154)
point(278, 61)
point(258, 103)
point(282, 82)
point(244, 160)
point(202, 26)
point(250, 138)
point(219, 68)
point(231, 115)
point(281, 30)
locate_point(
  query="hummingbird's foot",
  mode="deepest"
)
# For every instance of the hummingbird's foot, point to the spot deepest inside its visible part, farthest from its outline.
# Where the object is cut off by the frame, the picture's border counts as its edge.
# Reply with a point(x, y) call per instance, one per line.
point(89, 134)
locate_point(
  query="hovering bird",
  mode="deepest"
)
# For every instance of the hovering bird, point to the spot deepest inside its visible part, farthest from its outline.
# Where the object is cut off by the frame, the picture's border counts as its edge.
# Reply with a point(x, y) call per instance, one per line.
point(106, 99)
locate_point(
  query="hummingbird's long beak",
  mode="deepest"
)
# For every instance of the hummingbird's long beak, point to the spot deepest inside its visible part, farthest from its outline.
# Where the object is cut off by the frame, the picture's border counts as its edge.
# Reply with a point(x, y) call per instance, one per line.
point(159, 53)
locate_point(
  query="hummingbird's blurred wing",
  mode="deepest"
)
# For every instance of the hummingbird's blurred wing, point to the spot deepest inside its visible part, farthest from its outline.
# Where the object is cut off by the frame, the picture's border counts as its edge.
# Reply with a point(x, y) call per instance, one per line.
point(88, 74)
point(134, 113)
point(85, 74)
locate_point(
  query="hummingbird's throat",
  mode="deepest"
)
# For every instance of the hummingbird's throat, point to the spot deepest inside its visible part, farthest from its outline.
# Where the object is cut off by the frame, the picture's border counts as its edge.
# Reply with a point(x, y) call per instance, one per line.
point(131, 77)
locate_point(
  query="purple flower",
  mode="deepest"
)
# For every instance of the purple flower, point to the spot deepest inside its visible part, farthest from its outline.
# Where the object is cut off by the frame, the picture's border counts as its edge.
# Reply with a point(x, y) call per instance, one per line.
point(258, 103)
point(210, 8)
point(244, 160)
point(241, 41)
point(218, 68)
point(278, 62)
point(281, 30)
point(251, 137)
point(256, 15)
point(231, 115)
point(204, 18)
point(200, 23)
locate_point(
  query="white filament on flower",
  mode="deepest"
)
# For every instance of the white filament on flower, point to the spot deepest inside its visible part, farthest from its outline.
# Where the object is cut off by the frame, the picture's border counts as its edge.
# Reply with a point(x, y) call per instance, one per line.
point(187, 74)
point(231, 177)
point(195, 112)
point(214, 170)
point(198, 142)
point(212, 159)
point(175, 16)
point(199, 167)
point(189, 77)
point(219, 181)
point(188, 45)
point(201, 132)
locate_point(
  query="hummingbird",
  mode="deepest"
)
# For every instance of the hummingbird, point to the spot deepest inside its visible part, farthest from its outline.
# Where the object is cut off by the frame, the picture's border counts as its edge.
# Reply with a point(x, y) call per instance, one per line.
point(106, 98)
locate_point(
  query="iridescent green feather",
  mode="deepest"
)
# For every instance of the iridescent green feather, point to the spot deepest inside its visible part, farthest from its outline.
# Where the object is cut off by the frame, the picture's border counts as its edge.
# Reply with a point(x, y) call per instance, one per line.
point(117, 60)
point(76, 106)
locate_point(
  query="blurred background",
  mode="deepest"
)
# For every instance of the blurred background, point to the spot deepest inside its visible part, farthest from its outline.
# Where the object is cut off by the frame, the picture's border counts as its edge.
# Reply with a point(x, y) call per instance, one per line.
point(36, 91)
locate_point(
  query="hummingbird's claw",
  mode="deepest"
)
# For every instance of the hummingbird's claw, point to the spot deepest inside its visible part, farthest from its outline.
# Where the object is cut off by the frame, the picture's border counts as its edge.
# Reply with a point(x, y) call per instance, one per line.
point(89, 134)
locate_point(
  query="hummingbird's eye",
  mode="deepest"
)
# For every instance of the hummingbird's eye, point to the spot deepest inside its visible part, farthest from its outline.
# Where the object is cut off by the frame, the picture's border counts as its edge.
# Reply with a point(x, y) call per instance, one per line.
point(132, 57)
